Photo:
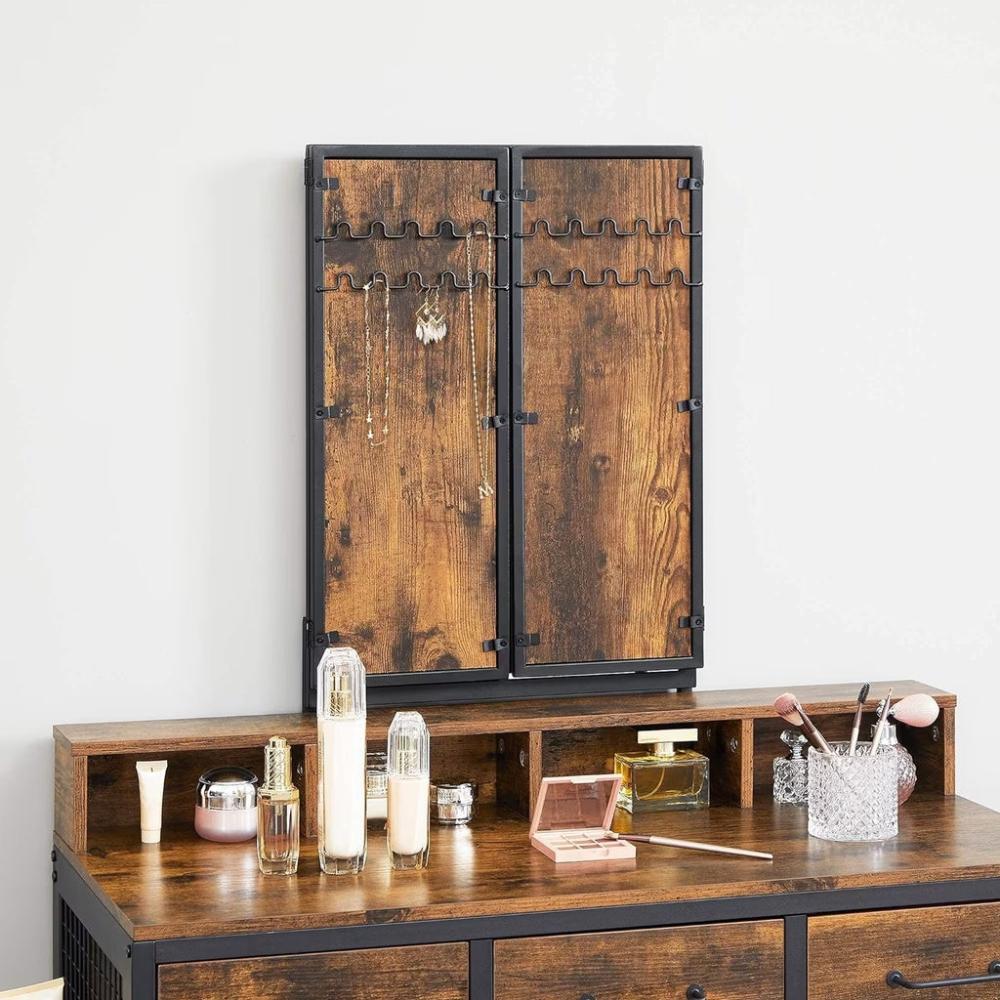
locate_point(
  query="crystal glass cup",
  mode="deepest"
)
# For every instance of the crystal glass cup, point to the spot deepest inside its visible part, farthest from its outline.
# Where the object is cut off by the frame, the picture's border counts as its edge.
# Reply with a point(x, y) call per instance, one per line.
point(853, 798)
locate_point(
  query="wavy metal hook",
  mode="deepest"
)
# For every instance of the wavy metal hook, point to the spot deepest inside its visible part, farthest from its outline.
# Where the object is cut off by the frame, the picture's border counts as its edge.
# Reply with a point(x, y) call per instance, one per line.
point(445, 229)
point(413, 279)
point(606, 226)
point(609, 276)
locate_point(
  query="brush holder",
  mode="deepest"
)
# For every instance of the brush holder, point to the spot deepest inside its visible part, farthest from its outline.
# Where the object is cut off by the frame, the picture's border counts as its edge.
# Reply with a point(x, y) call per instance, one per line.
point(855, 798)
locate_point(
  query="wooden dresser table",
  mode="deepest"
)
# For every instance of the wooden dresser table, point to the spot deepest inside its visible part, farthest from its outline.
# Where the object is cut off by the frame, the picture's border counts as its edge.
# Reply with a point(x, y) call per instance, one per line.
point(492, 917)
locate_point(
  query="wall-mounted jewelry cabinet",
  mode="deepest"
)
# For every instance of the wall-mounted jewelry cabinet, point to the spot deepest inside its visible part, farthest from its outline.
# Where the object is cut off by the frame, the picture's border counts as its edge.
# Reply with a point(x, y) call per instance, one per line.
point(504, 409)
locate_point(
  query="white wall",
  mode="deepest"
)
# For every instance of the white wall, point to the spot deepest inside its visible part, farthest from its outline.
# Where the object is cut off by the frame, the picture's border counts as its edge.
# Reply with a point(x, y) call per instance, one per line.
point(151, 344)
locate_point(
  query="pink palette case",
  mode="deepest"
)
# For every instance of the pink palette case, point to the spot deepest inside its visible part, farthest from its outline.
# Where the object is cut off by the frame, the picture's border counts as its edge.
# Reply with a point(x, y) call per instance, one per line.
point(573, 817)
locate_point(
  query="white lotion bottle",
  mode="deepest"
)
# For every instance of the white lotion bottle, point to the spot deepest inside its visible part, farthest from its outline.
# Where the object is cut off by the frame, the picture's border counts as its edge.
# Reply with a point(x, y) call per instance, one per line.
point(409, 770)
point(340, 716)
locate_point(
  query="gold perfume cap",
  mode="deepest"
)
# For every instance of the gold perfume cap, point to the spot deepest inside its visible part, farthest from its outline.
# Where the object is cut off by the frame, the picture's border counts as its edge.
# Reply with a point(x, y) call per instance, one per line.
point(277, 765)
point(664, 739)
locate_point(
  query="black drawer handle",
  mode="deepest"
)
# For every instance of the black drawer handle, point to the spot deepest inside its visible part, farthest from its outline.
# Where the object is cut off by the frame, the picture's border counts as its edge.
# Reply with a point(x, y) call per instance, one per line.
point(896, 978)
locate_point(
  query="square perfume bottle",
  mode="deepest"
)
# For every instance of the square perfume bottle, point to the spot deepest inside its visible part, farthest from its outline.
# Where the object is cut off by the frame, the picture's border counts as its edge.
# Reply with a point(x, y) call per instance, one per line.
point(663, 777)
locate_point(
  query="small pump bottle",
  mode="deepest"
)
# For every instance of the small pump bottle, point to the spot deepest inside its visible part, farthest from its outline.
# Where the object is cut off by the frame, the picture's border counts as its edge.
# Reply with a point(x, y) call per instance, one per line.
point(409, 769)
point(340, 711)
point(278, 812)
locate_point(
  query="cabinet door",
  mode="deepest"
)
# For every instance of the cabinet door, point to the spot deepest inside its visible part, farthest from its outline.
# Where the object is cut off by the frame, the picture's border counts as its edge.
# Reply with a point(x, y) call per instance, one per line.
point(606, 314)
point(408, 490)
point(740, 961)
point(433, 972)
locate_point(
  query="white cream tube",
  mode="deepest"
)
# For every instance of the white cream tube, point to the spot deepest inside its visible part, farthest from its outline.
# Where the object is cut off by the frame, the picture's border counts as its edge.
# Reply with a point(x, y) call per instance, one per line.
point(151, 774)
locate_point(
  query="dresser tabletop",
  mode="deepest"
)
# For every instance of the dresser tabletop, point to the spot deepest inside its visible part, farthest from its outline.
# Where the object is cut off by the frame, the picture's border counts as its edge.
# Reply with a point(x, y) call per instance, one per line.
point(185, 887)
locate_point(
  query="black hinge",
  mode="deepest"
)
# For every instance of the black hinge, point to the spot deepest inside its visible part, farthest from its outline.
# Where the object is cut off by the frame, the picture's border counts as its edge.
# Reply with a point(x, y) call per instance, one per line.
point(689, 405)
point(494, 422)
point(517, 194)
point(492, 645)
point(690, 183)
point(319, 183)
point(326, 638)
point(525, 417)
point(329, 412)
point(526, 639)
point(696, 622)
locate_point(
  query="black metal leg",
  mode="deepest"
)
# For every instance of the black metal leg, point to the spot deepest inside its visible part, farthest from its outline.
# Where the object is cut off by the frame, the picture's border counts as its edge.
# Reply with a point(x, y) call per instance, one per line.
point(142, 973)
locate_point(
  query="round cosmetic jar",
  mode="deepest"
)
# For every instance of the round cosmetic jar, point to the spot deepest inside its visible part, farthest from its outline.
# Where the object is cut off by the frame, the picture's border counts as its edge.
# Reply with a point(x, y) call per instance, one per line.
point(226, 805)
point(452, 803)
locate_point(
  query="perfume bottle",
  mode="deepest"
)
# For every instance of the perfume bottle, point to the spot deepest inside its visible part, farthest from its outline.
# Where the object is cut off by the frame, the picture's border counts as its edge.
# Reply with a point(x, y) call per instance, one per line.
point(907, 769)
point(340, 711)
point(278, 812)
point(664, 778)
point(791, 773)
point(409, 769)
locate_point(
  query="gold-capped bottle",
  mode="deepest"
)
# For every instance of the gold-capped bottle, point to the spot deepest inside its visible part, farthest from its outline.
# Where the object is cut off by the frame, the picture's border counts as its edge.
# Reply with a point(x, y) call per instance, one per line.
point(278, 812)
point(665, 777)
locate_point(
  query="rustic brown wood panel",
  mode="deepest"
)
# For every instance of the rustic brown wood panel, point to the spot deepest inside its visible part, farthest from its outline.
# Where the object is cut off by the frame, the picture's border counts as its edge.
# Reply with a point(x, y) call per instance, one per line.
point(673, 708)
point(933, 751)
point(729, 746)
point(187, 887)
point(850, 955)
point(740, 961)
point(410, 556)
point(519, 770)
point(466, 758)
point(310, 791)
point(768, 745)
point(70, 815)
point(607, 469)
point(432, 972)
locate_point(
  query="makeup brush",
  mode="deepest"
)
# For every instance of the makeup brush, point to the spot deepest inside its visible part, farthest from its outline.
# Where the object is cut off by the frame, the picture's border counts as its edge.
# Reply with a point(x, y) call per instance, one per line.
point(882, 720)
point(919, 710)
point(856, 728)
point(788, 707)
point(689, 845)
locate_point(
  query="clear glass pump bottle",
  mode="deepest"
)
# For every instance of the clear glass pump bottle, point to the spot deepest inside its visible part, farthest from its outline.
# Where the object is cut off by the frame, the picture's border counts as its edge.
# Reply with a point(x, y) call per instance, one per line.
point(340, 711)
point(664, 778)
point(278, 812)
point(409, 769)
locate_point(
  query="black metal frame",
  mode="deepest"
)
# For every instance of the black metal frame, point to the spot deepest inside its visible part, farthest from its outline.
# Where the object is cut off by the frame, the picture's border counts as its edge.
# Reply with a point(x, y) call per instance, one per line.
point(511, 678)
point(138, 961)
point(685, 666)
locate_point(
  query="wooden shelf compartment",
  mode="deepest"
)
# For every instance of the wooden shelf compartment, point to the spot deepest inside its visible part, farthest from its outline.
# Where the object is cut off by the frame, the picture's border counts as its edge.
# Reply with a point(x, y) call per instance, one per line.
point(505, 748)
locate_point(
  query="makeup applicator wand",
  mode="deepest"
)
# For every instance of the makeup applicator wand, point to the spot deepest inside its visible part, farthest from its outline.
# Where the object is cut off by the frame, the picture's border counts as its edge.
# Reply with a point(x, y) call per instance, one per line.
point(788, 707)
point(856, 728)
point(689, 845)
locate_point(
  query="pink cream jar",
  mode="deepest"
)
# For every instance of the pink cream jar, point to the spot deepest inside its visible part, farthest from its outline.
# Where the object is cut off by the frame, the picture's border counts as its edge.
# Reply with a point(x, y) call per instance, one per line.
point(226, 805)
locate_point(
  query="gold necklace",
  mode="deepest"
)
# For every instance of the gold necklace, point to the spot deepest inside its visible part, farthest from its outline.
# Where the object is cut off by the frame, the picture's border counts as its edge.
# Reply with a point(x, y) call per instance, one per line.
point(485, 487)
point(368, 365)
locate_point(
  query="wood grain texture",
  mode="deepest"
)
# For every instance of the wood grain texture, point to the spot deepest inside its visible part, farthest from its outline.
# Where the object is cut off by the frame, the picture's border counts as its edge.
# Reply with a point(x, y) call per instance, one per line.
point(607, 469)
point(431, 972)
point(519, 771)
point(933, 751)
point(186, 887)
point(739, 961)
point(410, 555)
point(454, 720)
point(70, 813)
point(850, 955)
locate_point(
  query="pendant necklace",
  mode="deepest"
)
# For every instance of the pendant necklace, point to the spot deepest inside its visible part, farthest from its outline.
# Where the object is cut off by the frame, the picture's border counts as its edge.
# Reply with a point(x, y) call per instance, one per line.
point(368, 365)
point(431, 325)
point(485, 487)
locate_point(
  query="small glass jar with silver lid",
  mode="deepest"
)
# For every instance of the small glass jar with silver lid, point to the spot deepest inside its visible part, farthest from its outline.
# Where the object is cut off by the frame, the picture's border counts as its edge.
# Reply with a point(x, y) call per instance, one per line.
point(226, 805)
point(452, 803)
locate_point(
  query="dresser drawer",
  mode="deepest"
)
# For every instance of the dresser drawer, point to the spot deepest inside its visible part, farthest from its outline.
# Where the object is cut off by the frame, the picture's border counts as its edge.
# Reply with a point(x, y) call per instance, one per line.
point(433, 972)
point(851, 955)
point(743, 961)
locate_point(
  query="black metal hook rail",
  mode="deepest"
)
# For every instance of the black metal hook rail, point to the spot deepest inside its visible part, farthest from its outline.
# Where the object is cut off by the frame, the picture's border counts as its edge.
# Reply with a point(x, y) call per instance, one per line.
point(445, 229)
point(413, 279)
point(575, 227)
point(609, 276)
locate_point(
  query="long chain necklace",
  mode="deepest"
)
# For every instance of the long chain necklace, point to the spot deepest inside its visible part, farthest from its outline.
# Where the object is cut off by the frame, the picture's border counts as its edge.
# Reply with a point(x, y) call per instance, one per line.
point(485, 487)
point(368, 365)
